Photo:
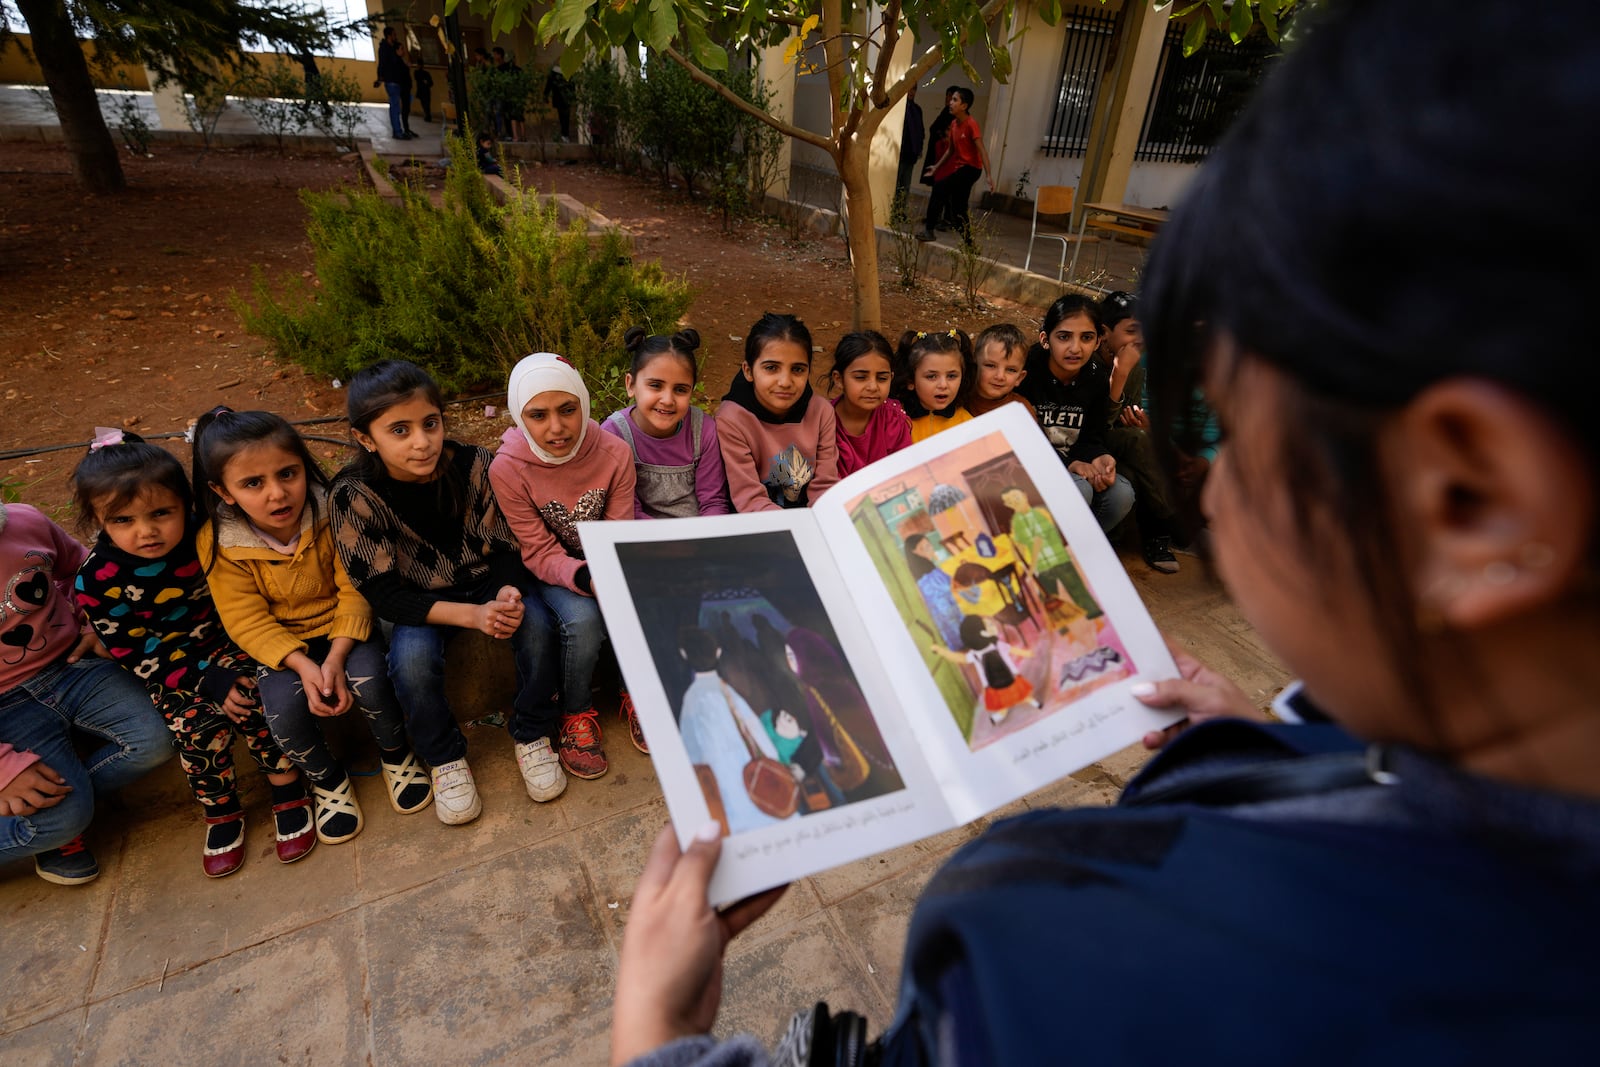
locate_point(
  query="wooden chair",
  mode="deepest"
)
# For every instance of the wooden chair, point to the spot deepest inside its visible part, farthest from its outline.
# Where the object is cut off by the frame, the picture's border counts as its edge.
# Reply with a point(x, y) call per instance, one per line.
point(1054, 200)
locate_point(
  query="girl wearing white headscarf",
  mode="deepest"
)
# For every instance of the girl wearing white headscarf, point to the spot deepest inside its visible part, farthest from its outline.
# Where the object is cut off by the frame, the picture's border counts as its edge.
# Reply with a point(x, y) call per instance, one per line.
point(555, 469)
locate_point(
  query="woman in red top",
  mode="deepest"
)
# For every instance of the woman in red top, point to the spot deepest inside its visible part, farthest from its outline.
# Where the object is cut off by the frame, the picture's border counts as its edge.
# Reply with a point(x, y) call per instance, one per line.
point(961, 163)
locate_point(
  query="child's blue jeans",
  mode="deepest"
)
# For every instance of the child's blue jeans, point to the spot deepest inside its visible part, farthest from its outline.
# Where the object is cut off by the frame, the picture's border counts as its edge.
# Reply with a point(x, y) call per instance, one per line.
point(1110, 506)
point(94, 697)
point(582, 632)
point(416, 663)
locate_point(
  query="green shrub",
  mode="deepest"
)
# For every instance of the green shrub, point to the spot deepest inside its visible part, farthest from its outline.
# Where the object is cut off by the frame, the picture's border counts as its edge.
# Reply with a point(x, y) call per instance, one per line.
point(274, 96)
point(464, 290)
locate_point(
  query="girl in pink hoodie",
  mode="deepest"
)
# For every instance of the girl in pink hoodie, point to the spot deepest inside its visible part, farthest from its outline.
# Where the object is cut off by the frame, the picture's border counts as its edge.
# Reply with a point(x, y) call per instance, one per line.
point(553, 470)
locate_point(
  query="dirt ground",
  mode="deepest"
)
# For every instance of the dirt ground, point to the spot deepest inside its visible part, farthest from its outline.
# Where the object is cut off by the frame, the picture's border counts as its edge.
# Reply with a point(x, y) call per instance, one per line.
point(117, 310)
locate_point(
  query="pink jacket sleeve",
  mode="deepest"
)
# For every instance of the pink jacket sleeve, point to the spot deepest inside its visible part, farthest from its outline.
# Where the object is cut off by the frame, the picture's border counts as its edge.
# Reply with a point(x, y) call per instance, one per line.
point(546, 558)
point(13, 763)
point(827, 451)
point(739, 461)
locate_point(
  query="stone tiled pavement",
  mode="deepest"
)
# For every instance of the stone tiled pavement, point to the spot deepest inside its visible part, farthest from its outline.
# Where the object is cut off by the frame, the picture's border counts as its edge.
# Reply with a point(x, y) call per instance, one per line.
point(491, 943)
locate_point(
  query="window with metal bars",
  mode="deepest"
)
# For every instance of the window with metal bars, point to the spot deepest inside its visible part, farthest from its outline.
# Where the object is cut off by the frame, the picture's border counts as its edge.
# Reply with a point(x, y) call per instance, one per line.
point(1196, 98)
point(1194, 101)
point(1088, 39)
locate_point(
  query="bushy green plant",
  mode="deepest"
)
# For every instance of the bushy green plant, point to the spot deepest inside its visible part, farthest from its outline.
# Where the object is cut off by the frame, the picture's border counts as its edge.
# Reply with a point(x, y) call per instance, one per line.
point(274, 96)
point(465, 289)
point(130, 122)
point(333, 107)
point(204, 107)
point(600, 96)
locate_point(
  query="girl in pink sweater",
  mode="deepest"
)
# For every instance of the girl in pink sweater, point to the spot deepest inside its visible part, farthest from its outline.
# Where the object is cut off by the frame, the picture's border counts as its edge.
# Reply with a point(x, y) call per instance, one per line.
point(553, 470)
point(779, 439)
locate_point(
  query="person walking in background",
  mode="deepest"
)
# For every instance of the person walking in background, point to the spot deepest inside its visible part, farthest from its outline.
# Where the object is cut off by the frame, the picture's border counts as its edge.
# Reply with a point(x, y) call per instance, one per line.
point(911, 139)
point(960, 164)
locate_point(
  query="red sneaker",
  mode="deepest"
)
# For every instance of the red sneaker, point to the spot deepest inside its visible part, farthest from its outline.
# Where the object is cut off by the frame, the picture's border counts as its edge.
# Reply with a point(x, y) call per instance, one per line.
point(630, 714)
point(579, 745)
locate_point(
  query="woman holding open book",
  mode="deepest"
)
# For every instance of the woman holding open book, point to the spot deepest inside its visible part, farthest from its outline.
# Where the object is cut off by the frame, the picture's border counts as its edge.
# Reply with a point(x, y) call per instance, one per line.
point(1411, 519)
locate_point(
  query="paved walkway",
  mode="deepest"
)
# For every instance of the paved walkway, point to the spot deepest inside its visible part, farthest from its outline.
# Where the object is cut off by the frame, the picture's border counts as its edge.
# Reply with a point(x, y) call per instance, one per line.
point(1105, 266)
point(490, 943)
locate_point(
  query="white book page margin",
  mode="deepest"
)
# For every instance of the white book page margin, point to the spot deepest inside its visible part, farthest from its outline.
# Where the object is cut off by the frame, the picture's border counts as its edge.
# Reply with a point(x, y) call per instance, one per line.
point(758, 859)
point(1023, 760)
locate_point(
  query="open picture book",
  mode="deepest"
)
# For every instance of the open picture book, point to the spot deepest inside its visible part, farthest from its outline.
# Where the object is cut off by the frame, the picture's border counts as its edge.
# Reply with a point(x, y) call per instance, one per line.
point(941, 633)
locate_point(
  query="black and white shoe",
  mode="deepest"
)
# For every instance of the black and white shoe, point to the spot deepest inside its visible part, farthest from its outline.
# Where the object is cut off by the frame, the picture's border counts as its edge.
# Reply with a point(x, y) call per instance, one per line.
point(1158, 553)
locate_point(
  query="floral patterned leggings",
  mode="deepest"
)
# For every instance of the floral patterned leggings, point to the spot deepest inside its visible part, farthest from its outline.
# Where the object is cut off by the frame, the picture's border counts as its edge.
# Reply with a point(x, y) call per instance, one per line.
point(203, 735)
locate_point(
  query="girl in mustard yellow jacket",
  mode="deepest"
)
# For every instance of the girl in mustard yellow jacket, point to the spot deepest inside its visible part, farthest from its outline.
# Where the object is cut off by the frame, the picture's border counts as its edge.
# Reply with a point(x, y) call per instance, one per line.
point(286, 601)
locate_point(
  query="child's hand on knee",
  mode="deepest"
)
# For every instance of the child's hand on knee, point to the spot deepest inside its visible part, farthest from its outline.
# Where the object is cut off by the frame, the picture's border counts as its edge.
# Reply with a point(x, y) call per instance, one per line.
point(240, 702)
point(37, 787)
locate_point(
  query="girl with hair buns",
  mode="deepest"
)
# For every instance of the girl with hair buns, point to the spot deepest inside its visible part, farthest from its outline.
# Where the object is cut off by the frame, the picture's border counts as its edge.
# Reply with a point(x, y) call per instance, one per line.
point(677, 461)
point(553, 470)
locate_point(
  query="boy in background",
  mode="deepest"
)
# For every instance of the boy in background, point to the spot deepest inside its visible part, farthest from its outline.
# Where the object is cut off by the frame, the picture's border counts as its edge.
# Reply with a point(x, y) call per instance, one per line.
point(1128, 438)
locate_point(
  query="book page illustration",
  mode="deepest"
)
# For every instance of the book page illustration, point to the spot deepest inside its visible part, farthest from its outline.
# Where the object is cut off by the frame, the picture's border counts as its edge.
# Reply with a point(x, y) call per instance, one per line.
point(989, 588)
point(753, 670)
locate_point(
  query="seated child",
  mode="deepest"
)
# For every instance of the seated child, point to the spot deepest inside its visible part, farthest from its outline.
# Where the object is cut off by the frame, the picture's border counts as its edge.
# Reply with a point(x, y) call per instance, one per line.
point(423, 540)
point(553, 470)
point(1001, 352)
point(871, 426)
point(1068, 387)
point(143, 589)
point(1128, 437)
point(53, 694)
point(932, 380)
point(267, 547)
point(779, 440)
point(677, 460)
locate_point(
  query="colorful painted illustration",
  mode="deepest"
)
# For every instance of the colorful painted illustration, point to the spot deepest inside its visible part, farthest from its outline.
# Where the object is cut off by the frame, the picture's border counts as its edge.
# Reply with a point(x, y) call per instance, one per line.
point(768, 707)
point(989, 589)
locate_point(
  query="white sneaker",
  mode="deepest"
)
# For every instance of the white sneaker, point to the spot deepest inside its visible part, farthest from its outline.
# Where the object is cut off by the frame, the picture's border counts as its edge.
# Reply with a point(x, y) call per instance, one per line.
point(455, 794)
point(541, 770)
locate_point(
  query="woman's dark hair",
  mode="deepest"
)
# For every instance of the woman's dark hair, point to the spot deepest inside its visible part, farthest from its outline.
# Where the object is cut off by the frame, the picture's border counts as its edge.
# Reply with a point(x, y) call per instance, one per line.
point(852, 346)
point(1068, 305)
point(113, 475)
point(915, 346)
point(378, 388)
point(645, 347)
point(920, 565)
point(1268, 255)
point(222, 433)
point(775, 327)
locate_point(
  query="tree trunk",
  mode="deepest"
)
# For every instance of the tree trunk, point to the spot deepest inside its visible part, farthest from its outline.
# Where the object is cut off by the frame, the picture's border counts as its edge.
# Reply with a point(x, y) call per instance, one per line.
point(66, 72)
point(862, 234)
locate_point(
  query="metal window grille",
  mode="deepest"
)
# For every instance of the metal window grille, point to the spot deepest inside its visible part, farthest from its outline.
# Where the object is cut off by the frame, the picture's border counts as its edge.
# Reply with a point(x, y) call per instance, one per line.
point(1197, 98)
point(1088, 39)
